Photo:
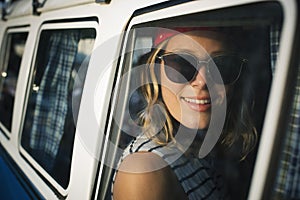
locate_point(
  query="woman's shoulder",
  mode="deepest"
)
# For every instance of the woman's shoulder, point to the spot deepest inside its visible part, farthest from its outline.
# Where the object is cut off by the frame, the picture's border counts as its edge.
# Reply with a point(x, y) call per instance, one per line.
point(142, 162)
point(144, 172)
point(142, 155)
point(145, 175)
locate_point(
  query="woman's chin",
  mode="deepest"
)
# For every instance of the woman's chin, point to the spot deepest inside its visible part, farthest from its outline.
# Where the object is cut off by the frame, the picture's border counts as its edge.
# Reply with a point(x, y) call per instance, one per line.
point(195, 124)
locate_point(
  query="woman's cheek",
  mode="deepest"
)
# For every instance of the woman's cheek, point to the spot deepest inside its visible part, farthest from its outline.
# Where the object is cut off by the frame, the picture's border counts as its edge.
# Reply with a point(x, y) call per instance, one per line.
point(172, 102)
point(221, 94)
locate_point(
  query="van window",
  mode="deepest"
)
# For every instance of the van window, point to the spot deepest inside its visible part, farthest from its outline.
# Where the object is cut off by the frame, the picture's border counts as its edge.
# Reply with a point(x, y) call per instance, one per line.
point(54, 99)
point(250, 28)
point(12, 50)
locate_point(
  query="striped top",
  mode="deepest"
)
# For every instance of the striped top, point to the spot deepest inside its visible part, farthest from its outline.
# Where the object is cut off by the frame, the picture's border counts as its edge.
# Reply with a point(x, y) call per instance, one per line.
point(196, 176)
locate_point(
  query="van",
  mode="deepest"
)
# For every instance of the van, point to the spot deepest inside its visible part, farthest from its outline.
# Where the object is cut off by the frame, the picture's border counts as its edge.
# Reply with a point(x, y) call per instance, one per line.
point(67, 91)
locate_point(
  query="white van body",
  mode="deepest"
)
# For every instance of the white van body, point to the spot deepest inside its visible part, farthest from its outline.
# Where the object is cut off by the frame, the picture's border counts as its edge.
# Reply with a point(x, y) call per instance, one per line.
point(111, 21)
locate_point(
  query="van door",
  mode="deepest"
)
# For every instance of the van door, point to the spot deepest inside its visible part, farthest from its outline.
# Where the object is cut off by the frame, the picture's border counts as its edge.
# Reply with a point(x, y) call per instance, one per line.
point(11, 55)
point(61, 62)
point(264, 33)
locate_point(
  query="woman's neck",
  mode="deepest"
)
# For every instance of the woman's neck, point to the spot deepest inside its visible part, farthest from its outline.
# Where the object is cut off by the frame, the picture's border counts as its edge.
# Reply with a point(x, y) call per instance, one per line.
point(190, 139)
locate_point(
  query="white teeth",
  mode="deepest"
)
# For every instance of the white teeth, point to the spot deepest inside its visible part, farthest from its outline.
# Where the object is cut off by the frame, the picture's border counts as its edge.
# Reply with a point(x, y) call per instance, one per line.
point(197, 101)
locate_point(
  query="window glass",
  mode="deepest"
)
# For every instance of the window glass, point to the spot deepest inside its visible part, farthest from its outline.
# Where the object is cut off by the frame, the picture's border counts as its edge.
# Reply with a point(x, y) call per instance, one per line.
point(54, 99)
point(10, 66)
point(287, 178)
point(161, 58)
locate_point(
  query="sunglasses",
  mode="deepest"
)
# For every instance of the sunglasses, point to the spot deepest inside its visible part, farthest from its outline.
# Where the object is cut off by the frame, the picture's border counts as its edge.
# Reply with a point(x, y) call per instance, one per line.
point(183, 67)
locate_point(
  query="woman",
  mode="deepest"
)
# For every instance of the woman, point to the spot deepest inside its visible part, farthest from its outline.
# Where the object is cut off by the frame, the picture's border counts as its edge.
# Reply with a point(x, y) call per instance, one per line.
point(184, 95)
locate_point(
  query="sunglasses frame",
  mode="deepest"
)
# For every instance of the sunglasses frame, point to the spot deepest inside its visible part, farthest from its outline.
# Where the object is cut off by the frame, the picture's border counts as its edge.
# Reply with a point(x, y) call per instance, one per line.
point(205, 63)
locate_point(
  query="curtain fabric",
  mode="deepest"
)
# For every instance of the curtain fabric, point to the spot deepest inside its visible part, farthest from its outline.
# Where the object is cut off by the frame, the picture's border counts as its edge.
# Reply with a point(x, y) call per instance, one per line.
point(52, 98)
point(274, 45)
point(288, 175)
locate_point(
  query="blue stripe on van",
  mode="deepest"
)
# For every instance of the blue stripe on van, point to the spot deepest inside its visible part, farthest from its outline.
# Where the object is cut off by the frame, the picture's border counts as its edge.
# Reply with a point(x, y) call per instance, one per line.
point(13, 182)
point(10, 188)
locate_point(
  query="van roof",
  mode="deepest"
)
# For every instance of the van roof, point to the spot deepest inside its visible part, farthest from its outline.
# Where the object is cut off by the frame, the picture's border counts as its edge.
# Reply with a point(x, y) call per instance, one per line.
point(18, 8)
point(55, 4)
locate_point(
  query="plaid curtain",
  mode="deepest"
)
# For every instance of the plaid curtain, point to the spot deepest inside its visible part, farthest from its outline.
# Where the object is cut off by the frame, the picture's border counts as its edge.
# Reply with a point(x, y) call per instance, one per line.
point(52, 98)
point(287, 185)
point(274, 47)
point(288, 176)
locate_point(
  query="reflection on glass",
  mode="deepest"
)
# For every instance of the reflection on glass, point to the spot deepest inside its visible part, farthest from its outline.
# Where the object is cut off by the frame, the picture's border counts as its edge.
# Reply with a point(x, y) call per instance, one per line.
point(53, 104)
point(9, 75)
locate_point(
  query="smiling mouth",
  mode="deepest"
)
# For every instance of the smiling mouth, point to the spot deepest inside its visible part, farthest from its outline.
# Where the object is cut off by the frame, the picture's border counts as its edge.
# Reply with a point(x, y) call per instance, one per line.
point(197, 101)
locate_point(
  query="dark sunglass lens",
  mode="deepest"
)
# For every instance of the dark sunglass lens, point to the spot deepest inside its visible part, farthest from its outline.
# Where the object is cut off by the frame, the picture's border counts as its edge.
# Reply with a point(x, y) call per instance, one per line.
point(180, 68)
point(229, 67)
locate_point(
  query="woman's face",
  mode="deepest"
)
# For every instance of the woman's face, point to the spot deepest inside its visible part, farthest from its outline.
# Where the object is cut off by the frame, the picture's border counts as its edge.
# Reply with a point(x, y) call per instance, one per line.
point(190, 103)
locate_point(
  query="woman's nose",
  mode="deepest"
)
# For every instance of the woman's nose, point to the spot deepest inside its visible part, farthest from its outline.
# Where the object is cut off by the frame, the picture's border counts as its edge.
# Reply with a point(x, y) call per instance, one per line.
point(200, 78)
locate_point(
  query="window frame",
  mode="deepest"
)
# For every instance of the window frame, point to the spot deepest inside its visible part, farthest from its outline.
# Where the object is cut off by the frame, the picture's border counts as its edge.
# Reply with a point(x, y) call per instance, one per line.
point(279, 106)
point(50, 181)
point(271, 124)
point(5, 58)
